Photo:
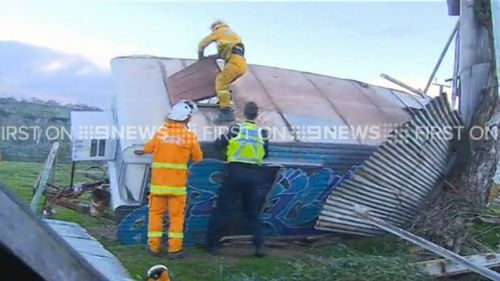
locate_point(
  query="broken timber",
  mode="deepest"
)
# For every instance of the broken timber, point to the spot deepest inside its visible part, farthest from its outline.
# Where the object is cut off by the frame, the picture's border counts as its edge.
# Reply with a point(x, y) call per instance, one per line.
point(403, 85)
point(362, 212)
point(444, 267)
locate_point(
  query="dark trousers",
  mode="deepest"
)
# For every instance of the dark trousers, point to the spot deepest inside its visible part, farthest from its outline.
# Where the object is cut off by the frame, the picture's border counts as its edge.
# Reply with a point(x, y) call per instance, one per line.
point(242, 180)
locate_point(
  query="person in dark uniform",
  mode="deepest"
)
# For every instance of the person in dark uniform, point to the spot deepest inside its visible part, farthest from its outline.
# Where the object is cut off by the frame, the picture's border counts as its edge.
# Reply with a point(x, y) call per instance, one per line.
point(246, 146)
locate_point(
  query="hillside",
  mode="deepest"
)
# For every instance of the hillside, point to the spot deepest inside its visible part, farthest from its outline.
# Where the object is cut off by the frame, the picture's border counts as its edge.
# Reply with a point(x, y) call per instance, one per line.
point(27, 128)
point(44, 73)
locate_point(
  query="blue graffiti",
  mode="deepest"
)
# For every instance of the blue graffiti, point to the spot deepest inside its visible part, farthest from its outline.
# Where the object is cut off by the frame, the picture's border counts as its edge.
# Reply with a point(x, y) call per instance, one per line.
point(132, 229)
point(291, 207)
point(204, 182)
point(295, 200)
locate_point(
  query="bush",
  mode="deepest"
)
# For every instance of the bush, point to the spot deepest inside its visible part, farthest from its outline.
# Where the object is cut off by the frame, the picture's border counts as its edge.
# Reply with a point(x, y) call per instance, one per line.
point(4, 113)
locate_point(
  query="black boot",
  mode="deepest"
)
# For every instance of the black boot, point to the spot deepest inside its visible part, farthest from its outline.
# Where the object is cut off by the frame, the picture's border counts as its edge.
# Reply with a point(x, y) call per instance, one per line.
point(259, 251)
point(214, 250)
point(226, 115)
point(153, 253)
point(175, 255)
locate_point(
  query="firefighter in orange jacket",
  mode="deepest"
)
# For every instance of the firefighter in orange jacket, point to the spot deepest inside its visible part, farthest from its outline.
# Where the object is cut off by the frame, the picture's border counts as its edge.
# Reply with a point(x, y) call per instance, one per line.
point(231, 50)
point(172, 148)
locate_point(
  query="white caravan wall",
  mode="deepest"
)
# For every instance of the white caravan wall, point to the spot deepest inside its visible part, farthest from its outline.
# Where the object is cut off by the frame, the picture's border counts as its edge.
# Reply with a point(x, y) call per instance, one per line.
point(141, 98)
point(141, 104)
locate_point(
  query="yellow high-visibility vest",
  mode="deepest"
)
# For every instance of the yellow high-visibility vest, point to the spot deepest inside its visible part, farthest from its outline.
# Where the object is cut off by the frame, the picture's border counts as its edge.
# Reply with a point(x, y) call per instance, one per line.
point(247, 146)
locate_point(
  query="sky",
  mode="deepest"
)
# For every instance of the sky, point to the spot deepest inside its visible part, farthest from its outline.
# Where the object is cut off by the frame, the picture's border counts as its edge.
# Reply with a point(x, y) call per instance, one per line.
point(356, 40)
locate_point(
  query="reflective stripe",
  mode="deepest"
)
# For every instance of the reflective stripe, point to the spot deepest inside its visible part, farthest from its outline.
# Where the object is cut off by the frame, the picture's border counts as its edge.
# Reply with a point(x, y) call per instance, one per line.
point(173, 166)
point(226, 41)
point(155, 234)
point(249, 141)
point(167, 189)
point(244, 160)
point(175, 235)
point(168, 192)
point(222, 92)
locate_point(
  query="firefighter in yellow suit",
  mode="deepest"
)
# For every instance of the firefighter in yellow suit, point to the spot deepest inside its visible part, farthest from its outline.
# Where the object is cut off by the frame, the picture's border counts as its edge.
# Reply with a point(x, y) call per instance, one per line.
point(172, 148)
point(231, 50)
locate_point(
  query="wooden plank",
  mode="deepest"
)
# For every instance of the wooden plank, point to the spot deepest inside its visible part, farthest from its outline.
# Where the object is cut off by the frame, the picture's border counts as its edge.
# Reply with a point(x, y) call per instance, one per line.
point(363, 213)
point(444, 267)
point(194, 82)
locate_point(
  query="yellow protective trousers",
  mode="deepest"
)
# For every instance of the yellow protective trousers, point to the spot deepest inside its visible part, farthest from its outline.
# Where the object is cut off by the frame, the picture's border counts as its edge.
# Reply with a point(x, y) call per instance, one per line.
point(234, 68)
point(175, 206)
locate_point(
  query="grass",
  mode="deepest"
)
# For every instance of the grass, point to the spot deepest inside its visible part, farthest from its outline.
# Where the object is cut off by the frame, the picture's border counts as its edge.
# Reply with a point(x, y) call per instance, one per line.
point(20, 177)
point(383, 258)
point(197, 266)
point(488, 234)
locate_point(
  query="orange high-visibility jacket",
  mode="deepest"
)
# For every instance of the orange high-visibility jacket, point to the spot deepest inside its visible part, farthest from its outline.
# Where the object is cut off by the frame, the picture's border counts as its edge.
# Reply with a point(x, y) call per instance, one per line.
point(172, 147)
point(225, 39)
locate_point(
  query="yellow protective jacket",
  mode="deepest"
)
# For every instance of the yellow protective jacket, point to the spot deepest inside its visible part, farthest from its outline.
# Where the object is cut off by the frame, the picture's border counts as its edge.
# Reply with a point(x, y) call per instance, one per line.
point(247, 146)
point(172, 147)
point(225, 39)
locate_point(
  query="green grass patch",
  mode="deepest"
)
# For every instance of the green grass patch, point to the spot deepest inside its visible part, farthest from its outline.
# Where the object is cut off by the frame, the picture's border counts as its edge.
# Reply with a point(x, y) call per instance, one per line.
point(198, 265)
point(370, 259)
point(487, 233)
point(21, 176)
point(384, 246)
point(353, 268)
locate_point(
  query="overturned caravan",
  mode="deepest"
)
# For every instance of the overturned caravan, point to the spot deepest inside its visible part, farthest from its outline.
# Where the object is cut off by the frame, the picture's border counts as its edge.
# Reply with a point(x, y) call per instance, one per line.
point(321, 129)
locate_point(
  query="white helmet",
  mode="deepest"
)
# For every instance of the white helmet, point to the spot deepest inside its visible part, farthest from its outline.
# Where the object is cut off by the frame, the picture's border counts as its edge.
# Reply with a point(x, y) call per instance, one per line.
point(156, 272)
point(182, 110)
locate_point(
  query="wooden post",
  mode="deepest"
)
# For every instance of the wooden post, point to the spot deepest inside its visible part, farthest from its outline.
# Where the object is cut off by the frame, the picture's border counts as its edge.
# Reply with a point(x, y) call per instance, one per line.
point(72, 176)
point(44, 176)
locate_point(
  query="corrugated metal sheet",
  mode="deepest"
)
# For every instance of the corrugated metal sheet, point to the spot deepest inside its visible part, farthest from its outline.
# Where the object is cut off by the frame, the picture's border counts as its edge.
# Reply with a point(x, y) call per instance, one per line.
point(339, 157)
point(397, 178)
point(296, 100)
point(289, 100)
point(90, 249)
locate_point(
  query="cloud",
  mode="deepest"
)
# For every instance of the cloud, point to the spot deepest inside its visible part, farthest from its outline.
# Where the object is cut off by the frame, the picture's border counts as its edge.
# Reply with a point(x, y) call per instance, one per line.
point(53, 66)
point(97, 50)
point(31, 71)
